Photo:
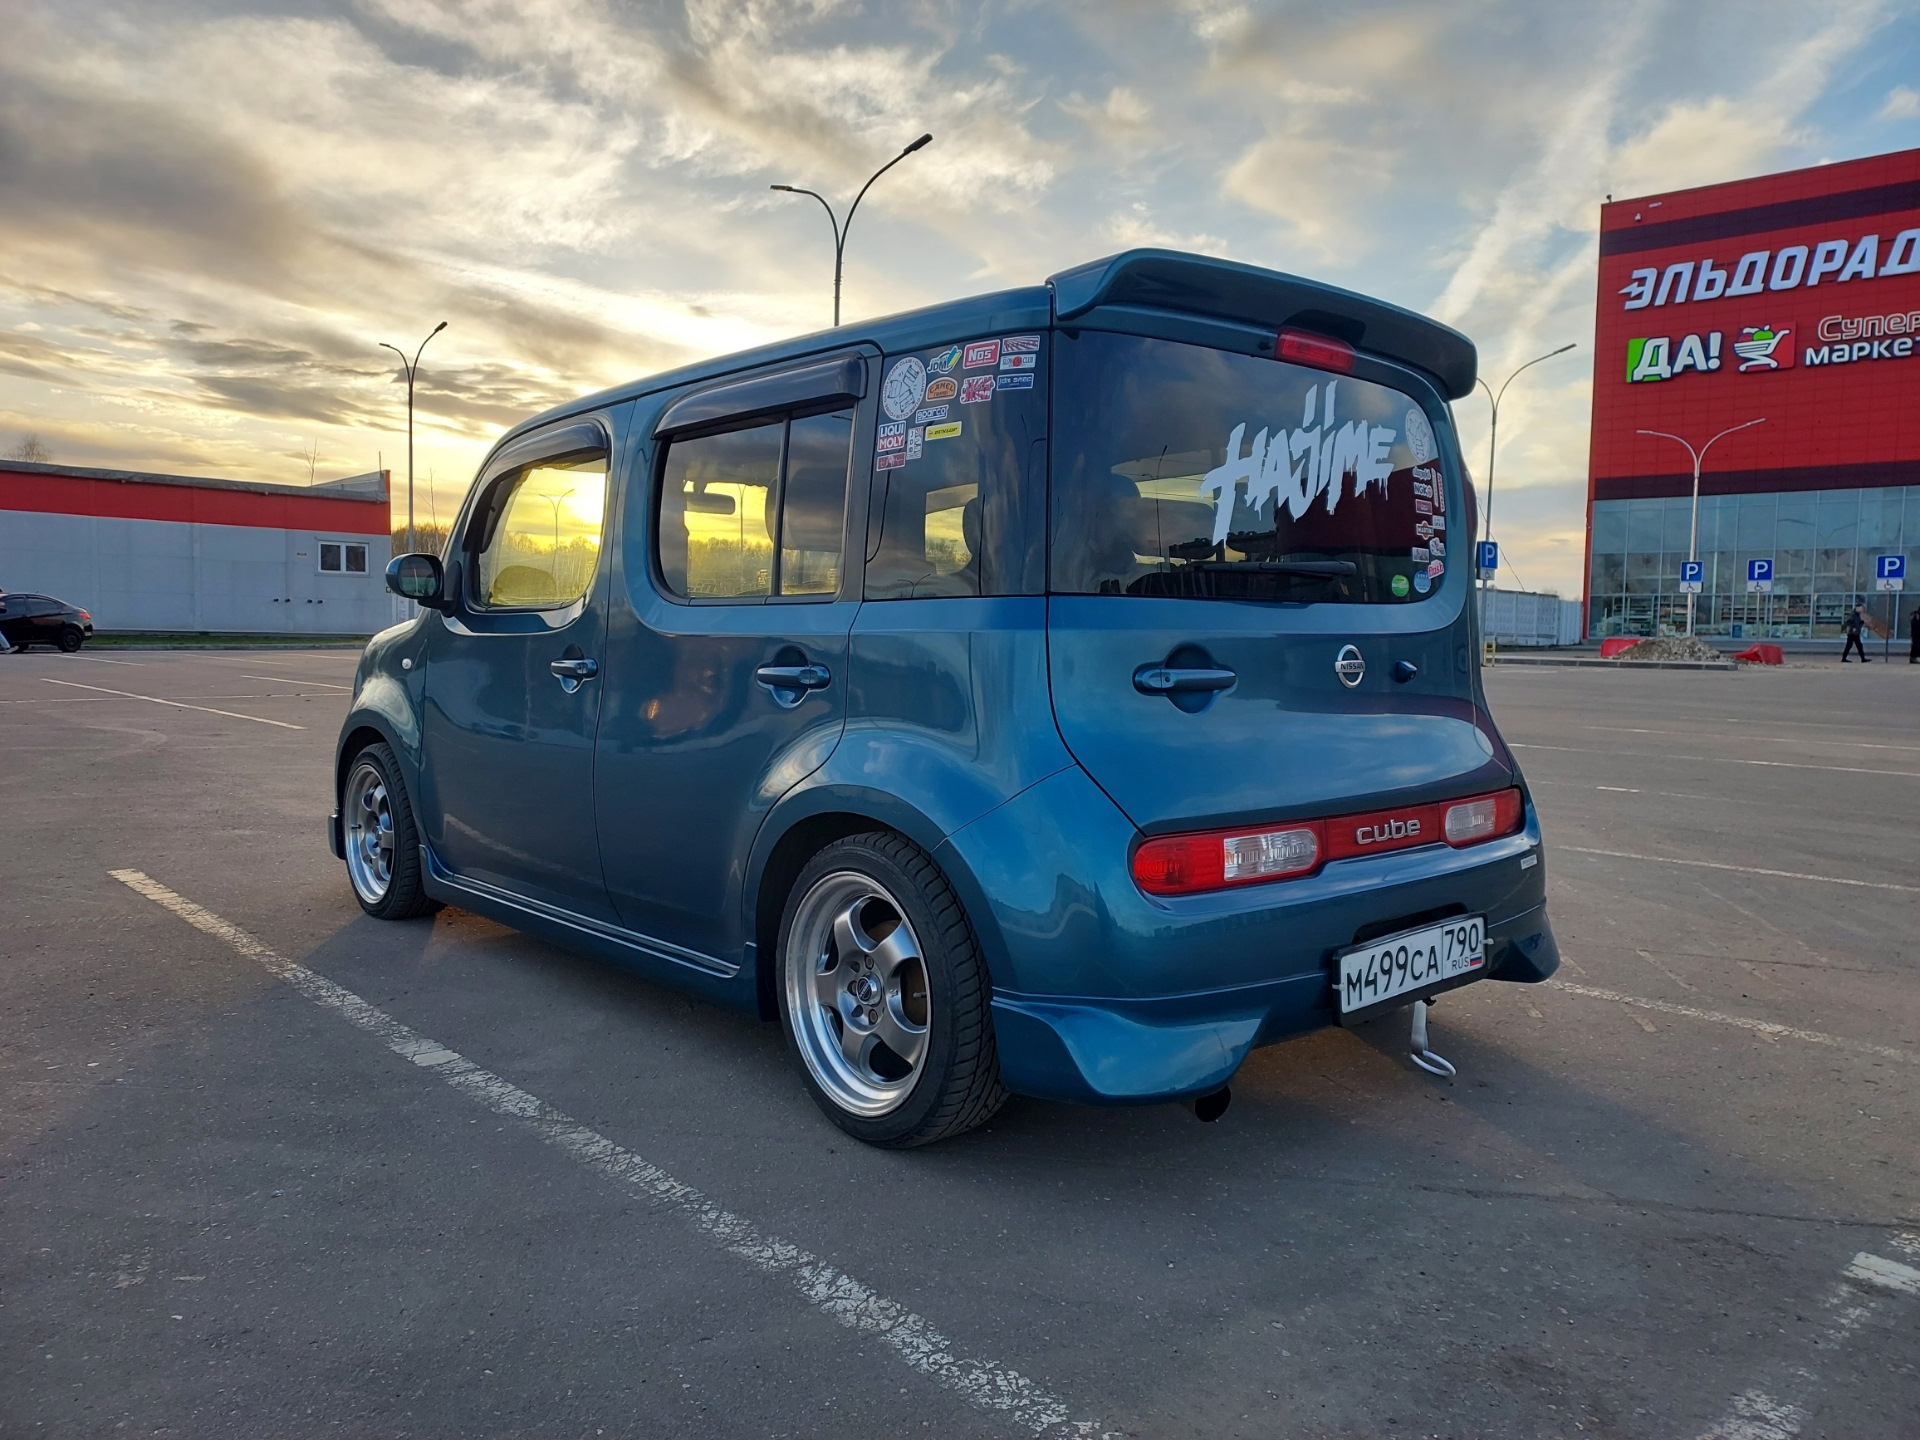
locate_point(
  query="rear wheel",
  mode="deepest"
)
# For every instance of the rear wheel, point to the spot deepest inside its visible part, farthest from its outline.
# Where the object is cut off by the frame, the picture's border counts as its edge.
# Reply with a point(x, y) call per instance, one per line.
point(72, 638)
point(885, 995)
point(383, 847)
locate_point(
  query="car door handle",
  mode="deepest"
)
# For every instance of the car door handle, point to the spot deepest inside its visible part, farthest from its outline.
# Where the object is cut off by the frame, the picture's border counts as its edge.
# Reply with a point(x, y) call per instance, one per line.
point(570, 673)
point(794, 677)
point(1166, 680)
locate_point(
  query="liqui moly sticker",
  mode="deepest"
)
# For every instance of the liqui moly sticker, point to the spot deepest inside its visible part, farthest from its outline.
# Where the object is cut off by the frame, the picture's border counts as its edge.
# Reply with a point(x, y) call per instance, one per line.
point(931, 415)
point(890, 462)
point(945, 388)
point(892, 436)
point(944, 362)
point(1023, 381)
point(1020, 345)
point(1018, 362)
point(981, 353)
point(916, 443)
point(978, 388)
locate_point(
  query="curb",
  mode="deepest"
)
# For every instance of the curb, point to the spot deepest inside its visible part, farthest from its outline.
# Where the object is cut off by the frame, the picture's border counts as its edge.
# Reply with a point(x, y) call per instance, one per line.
point(1617, 664)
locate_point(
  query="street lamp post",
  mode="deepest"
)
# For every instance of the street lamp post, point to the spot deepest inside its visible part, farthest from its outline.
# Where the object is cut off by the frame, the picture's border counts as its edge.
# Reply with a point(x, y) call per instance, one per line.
point(411, 367)
point(1493, 434)
point(1693, 532)
point(840, 228)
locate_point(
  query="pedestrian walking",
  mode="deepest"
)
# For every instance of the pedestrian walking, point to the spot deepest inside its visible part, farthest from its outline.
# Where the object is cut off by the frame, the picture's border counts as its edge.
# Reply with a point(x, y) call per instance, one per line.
point(1913, 634)
point(1856, 619)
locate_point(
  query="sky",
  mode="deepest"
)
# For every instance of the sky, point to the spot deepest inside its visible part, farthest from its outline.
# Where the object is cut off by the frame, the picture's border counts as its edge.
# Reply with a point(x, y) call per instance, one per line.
point(212, 212)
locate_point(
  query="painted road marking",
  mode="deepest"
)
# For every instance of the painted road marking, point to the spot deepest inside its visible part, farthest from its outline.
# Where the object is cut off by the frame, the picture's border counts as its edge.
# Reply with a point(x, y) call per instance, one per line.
point(295, 680)
point(1758, 1415)
point(178, 704)
point(1758, 1027)
point(1718, 760)
point(1743, 869)
point(1765, 739)
point(984, 1384)
point(102, 660)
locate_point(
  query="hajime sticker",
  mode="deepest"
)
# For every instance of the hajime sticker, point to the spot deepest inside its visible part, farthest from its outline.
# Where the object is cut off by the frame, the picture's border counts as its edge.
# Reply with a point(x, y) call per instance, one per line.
point(944, 361)
point(1400, 585)
point(906, 387)
point(945, 388)
point(1018, 362)
point(978, 388)
point(943, 432)
point(1420, 437)
point(979, 354)
point(1296, 468)
point(1420, 554)
point(1022, 381)
point(916, 443)
point(1421, 581)
point(931, 414)
point(1020, 345)
point(890, 462)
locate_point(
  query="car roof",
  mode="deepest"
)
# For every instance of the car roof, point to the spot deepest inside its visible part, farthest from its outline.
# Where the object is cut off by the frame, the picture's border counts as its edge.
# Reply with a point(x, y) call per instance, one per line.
point(1136, 280)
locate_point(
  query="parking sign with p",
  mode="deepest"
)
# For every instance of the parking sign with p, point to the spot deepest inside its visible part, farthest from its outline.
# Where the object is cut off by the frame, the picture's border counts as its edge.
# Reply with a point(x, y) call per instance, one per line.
point(1890, 572)
point(1760, 577)
point(1691, 572)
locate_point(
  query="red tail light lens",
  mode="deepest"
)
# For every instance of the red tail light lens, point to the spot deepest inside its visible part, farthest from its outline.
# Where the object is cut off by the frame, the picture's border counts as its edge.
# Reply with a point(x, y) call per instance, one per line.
point(1220, 859)
point(1322, 352)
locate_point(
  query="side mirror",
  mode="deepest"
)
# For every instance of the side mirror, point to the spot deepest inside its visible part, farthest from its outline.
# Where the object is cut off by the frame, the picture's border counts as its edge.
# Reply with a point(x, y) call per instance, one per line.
point(418, 578)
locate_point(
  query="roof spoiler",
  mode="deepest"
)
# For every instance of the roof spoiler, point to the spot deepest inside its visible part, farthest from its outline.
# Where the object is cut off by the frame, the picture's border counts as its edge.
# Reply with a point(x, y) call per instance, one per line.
point(1196, 284)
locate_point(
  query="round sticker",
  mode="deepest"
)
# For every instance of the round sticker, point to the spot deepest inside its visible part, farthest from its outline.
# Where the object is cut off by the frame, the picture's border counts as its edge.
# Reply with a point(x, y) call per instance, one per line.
point(1421, 582)
point(1400, 585)
point(1420, 437)
point(906, 387)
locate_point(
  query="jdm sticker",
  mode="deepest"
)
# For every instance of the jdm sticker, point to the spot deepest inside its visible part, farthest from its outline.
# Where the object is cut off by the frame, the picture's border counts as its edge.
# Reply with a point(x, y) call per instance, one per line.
point(944, 361)
point(979, 354)
point(1020, 345)
point(943, 432)
point(945, 388)
point(1022, 381)
point(978, 388)
point(906, 387)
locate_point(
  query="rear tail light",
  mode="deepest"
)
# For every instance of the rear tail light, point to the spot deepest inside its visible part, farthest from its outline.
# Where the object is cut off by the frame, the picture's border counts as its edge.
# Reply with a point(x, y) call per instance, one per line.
point(86, 617)
point(1220, 859)
point(1322, 352)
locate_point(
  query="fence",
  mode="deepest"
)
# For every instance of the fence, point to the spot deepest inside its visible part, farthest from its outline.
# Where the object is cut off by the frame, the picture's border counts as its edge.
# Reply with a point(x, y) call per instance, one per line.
point(1523, 618)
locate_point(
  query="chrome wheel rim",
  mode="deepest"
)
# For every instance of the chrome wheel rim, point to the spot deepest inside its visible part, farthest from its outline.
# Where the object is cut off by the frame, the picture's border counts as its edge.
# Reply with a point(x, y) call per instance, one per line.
point(369, 820)
point(857, 993)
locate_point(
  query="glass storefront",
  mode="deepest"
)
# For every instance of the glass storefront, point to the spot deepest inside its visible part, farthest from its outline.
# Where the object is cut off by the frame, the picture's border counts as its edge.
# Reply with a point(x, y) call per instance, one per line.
point(1822, 544)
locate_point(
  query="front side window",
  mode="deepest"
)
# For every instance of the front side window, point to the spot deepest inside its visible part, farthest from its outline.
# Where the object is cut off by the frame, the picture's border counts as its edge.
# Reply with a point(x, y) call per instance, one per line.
point(538, 534)
point(759, 512)
point(1186, 472)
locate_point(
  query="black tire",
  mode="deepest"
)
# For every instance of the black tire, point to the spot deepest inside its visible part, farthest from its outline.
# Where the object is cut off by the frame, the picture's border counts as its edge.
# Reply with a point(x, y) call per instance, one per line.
point(957, 1084)
point(72, 638)
point(402, 897)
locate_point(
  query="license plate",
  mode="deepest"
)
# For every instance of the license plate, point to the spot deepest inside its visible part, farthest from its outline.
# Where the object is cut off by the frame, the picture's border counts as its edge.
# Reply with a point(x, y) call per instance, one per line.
point(1411, 963)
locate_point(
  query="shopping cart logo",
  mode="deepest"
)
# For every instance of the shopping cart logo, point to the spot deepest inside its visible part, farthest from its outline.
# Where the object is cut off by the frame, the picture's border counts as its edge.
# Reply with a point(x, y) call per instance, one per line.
point(1759, 348)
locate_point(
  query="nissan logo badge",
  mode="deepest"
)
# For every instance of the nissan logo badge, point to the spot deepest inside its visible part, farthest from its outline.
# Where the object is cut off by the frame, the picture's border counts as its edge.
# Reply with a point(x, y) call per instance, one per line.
point(1349, 666)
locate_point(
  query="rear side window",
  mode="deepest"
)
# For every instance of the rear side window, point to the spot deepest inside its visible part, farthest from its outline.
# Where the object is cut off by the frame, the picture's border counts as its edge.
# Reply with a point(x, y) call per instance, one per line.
point(1183, 471)
point(958, 470)
point(757, 512)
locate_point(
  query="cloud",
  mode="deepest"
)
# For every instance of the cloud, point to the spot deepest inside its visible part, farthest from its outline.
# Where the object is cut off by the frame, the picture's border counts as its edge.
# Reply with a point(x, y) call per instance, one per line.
point(1903, 103)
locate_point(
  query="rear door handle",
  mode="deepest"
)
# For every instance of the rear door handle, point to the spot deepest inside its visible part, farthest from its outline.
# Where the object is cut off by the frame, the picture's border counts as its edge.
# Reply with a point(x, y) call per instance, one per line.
point(571, 672)
point(794, 677)
point(1165, 680)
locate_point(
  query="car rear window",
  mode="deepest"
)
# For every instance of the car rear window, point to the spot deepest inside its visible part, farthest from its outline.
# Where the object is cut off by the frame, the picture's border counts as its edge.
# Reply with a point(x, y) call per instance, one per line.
point(1187, 472)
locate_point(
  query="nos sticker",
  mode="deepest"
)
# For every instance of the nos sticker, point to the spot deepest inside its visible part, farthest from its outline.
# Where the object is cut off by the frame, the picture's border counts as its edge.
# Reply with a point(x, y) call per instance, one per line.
point(979, 388)
point(979, 353)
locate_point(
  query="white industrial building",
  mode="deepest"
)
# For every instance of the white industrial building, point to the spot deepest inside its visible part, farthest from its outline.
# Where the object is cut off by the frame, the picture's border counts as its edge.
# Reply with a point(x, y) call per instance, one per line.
point(180, 554)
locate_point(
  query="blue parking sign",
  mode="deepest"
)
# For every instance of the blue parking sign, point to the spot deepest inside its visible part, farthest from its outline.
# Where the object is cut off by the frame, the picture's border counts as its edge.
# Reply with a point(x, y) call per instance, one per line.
point(1691, 572)
point(1890, 572)
point(1489, 560)
point(1760, 576)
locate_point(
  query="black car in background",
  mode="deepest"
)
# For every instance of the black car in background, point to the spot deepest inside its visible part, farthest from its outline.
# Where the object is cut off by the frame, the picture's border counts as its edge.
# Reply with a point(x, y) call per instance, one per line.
point(42, 620)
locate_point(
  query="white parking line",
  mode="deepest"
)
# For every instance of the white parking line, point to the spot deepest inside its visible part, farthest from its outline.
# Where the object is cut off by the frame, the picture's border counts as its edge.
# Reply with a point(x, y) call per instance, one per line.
point(984, 1384)
point(177, 704)
point(1717, 760)
point(296, 680)
point(102, 660)
point(1743, 869)
point(1764, 739)
point(1758, 1415)
point(1758, 1027)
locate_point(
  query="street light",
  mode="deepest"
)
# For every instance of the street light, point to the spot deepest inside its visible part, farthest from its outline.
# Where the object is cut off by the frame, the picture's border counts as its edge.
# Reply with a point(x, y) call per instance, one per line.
point(1493, 434)
point(839, 228)
point(411, 368)
point(556, 501)
point(1693, 534)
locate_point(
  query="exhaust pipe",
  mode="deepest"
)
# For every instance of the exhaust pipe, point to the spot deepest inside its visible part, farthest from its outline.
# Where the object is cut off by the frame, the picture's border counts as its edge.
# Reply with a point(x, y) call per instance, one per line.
point(1209, 1108)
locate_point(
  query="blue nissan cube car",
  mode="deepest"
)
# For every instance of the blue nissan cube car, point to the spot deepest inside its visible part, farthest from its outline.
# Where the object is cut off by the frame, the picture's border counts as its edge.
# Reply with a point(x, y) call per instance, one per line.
point(1058, 692)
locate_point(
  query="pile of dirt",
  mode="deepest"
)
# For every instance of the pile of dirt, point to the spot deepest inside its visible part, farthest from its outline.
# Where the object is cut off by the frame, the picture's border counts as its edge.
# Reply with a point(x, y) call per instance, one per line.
point(1677, 647)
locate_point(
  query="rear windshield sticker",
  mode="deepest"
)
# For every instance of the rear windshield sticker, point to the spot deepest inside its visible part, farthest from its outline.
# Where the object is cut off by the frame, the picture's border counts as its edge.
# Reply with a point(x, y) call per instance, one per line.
point(1439, 522)
point(932, 414)
point(916, 443)
point(1399, 585)
point(1420, 438)
point(1423, 507)
point(1425, 492)
point(890, 462)
point(1020, 345)
point(944, 388)
point(1295, 468)
point(1437, 568)
point(1420, 554)
point(1015, 382)
point(943, 432)
point(1437, 546)
point(906, 387)
point(1422, 582)
point(981, 353)
point(977, 388)
point(945, 360)
point(1018, 362)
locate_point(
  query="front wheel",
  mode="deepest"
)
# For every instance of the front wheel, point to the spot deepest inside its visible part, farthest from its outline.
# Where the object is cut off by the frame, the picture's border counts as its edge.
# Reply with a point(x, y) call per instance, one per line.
point(383, 847)
point(885, 995)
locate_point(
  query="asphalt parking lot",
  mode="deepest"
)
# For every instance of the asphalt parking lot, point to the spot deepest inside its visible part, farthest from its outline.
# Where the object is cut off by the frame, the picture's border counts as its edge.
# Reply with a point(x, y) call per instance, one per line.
point(269, 1167)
